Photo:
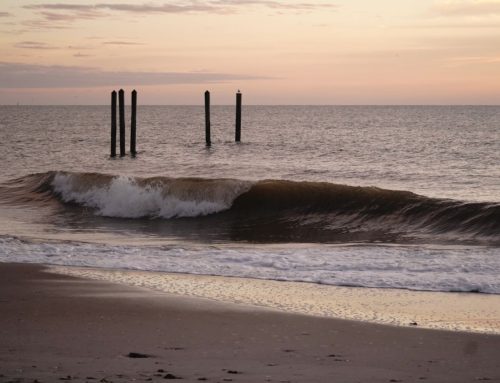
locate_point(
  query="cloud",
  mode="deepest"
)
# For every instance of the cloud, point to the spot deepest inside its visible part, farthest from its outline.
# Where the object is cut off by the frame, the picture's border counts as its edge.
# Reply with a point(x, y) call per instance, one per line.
point(468, 8)
point(42, 45)
point(85, 15)
point(52, 18)
point(124, 7)
point(62, 15)
point(163, 8)
point(16, 75)
point(440, 24)
point(475, 60)
point(121, 43)
point(275, 4)
point(34, 45)
point(51, 11)
point(5, 14)
point(460, 14)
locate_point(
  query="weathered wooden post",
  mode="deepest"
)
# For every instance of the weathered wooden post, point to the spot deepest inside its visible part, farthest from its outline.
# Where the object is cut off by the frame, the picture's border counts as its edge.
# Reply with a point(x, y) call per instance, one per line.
point(133, 123)
point(113, 123)
point(207, 118)
point(121, 107)
point(238, 117)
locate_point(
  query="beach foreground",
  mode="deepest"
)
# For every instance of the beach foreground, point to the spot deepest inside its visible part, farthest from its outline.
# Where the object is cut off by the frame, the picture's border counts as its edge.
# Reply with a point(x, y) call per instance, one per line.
point(58, 327)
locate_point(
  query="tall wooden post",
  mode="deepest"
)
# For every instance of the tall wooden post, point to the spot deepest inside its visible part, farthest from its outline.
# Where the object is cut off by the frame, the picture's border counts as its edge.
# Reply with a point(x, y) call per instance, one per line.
point(121, 107)
point(133, 123)
point(113, 123)
point(207, 118)
point(238, 117)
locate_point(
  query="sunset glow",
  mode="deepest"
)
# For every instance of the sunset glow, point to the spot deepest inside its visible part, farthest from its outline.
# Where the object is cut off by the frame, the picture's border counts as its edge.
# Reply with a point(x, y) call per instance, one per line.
point(277, 52)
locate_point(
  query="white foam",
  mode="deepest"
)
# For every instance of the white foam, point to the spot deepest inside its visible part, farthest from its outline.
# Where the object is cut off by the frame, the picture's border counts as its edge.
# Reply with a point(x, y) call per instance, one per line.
point(410, 267)
point(123, 197)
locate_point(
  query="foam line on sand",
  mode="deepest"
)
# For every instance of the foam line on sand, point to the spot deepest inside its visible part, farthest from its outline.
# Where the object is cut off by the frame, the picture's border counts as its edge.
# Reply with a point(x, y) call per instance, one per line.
point(447, 311)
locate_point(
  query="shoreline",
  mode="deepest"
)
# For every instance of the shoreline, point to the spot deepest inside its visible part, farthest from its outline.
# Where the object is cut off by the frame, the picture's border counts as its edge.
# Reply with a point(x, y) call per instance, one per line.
point(465, 312)
point(57, 327)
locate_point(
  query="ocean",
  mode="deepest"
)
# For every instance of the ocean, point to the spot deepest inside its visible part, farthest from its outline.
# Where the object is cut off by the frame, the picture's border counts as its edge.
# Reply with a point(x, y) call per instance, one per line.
point(404, 197)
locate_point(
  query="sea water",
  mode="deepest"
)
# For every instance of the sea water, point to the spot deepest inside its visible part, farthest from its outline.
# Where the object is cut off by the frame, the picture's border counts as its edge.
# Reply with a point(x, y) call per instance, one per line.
point(404, 197)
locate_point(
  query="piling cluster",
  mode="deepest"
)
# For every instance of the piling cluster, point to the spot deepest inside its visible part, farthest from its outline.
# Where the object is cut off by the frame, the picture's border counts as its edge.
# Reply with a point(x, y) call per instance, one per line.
point(133, 121)
point(237, 135)
point(121, 119)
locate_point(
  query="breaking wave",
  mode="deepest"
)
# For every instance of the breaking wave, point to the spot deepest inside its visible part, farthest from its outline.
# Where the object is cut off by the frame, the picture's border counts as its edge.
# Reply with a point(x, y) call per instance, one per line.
point(268, 210)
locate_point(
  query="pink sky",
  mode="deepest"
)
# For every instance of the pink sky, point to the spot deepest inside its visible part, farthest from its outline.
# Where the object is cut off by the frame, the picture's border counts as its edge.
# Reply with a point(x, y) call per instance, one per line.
point(276, 52)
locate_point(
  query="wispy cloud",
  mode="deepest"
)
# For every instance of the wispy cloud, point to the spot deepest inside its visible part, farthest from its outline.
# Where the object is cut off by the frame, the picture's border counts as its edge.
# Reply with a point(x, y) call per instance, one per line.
point(474, 60)
point(440, 24)
point(5, 14)
point(34, 45)
point(460, 15)
point(122, 43)
point(79, 15)
point(275, 4)
point(188, 6)
point(124, 7)
point(468, 8)
point(47, 24)
point(62, 15)
point(16, 75)
point(42, 45)
point(55, 15)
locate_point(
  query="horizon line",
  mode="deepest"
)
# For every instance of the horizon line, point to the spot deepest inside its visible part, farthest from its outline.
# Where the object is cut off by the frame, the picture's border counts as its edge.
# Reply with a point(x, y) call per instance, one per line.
point(201, 105)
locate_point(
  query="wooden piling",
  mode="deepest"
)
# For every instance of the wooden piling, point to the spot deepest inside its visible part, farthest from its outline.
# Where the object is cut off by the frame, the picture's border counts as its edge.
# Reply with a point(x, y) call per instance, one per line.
point(121, 107)
point(113, 123)
point(207, 118)
point(238, 117)
point(133, 123)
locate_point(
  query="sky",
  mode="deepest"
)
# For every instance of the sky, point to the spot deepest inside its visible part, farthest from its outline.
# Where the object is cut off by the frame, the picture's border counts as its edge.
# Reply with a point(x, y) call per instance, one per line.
point(277, 52)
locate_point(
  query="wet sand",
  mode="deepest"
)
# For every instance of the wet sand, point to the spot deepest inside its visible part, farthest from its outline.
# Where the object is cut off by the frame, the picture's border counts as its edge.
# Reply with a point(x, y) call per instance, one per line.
point(62, 328)
point(470, 312)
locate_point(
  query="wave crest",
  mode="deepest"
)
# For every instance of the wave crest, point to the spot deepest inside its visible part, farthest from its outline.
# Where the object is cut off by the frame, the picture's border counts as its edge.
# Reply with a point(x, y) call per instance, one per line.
point(128, 197)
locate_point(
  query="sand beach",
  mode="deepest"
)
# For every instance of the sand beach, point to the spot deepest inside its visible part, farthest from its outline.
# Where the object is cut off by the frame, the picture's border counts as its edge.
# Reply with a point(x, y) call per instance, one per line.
point(61, 328)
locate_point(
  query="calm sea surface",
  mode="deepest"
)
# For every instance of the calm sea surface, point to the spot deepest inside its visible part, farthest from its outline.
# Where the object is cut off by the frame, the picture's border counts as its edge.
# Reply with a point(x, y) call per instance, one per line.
point(383, 196)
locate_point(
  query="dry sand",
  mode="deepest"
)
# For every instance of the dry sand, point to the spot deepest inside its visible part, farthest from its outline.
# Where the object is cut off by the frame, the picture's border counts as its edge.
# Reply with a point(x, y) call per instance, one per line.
point(62, 328)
